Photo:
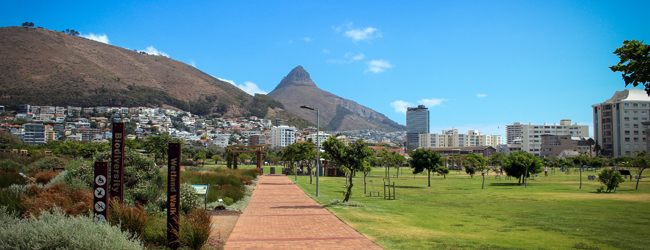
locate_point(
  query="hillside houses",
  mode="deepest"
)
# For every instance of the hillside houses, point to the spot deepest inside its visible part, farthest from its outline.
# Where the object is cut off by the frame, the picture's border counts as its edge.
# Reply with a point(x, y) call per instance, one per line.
point(92, 124)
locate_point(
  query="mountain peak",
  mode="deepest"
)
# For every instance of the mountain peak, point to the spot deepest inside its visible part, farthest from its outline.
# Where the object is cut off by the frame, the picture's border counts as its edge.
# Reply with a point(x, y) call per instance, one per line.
point(297, 77)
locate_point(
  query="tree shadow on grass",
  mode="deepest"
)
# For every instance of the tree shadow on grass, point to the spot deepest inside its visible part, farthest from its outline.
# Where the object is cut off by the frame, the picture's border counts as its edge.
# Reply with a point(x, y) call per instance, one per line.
point(417, 187)
point(501, 184)
point(298, 207)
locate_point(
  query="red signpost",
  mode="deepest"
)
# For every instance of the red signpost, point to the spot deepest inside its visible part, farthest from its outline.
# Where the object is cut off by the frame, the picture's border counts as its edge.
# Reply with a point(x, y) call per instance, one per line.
point(173, 195)
point(117, 162)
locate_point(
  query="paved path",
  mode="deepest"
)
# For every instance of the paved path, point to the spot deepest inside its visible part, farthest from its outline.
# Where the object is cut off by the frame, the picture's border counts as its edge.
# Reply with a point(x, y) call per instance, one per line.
point(282, 216)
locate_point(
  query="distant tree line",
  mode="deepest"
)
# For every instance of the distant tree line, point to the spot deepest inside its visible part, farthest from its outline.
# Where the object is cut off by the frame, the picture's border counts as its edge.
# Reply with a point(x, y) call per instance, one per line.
point(71, 32)
point(28, 25)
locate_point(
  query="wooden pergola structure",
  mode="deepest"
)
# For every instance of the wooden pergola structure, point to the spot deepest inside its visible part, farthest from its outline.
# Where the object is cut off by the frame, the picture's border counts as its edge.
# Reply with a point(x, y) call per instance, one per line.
point(247, 149)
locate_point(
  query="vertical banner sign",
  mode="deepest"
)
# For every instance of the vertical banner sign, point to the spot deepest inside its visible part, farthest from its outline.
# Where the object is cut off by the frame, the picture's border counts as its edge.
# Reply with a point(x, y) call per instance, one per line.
point(100, 192)
point(173, 195)
point(117, 162)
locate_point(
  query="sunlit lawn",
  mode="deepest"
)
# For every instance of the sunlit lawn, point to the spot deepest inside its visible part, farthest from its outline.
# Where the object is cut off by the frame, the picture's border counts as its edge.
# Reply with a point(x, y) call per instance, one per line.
point(552, 213)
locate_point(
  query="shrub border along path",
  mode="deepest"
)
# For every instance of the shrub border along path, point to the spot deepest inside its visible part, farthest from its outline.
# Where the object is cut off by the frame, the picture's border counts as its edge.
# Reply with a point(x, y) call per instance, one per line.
point(282, 216)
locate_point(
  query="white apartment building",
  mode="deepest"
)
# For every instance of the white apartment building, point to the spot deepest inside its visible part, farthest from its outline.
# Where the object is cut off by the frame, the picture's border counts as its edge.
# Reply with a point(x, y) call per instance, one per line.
point(530, 134)
point(322, 136)
point(618, 127)
point(283, 136)
point(451, 138)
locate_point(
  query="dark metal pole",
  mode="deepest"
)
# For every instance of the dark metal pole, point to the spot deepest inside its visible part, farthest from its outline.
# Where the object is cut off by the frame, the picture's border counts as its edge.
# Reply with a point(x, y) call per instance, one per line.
point(317, 150)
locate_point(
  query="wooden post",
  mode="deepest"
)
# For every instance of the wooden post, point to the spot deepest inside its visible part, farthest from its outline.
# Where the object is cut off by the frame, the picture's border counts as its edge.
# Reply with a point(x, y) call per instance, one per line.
point(173, 195)
point(117, 162)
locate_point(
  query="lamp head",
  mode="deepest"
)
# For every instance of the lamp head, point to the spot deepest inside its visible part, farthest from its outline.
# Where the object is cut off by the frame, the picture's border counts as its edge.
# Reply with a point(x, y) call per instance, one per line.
point(306, 107)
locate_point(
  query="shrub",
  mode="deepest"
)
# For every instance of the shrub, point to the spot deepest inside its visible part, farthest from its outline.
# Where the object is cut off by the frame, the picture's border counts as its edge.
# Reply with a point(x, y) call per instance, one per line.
point(9, 165)
point(55, 230)
point(79, 174)
point(245, 180)
point(10, 178)
point(45, 177)
point(128, 218)
point(46, 164)
point(70, 201)
point(611, 179)
point(195, 228)
point(228, 201)
point(190, 200)
point(12, 202)
point(156, 230)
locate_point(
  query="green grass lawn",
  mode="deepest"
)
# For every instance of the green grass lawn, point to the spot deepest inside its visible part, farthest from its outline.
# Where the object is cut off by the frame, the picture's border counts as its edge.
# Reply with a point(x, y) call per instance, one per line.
point(455, 213)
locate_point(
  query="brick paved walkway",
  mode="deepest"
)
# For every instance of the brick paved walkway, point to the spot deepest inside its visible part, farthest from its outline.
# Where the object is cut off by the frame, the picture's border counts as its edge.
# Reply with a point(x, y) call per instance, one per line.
point(282, 216)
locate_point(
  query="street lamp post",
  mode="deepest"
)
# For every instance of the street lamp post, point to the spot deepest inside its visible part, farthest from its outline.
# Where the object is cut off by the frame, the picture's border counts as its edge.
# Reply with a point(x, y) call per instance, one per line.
point(317, 144)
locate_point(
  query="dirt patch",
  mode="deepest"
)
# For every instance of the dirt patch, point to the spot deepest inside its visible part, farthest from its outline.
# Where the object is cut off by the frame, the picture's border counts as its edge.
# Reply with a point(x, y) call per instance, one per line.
point(223, 222)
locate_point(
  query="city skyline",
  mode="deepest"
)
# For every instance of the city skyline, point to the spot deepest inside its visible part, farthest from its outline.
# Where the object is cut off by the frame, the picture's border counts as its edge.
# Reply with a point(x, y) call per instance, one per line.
point(475, 65)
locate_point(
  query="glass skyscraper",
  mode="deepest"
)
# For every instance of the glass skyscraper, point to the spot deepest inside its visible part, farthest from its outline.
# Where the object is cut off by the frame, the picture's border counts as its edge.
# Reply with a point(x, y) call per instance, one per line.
point(417, 122)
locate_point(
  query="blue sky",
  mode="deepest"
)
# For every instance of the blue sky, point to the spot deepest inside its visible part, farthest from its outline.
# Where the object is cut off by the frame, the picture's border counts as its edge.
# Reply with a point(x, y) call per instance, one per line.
point(475, 64)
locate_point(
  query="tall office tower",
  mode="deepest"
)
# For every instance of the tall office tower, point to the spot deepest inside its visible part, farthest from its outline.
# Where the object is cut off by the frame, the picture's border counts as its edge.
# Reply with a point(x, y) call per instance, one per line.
point(417, 122)
point(618, 127)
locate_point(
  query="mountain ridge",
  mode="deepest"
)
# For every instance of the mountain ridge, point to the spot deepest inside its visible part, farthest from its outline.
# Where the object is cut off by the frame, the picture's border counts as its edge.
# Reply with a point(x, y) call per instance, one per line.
point(297, 89)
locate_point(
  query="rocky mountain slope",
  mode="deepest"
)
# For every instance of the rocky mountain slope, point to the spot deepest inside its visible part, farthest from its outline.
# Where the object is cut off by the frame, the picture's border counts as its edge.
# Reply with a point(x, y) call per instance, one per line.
point(336, 113)
point(45, 67)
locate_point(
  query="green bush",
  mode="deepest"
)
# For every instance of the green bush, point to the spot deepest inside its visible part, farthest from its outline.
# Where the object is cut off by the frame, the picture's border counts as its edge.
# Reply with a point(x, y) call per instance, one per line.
point(611, 179)
point(9, 165)
point(190, 199)
point(156, 230)
point(46, 164)
point(10, 178)
point(12, 202)
point(79, 174)
point(57, 231)
point(228, 201)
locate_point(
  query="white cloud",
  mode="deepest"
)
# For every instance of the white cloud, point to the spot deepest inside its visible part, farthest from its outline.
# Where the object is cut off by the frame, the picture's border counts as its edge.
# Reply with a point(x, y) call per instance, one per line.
point(103, 38)
point(193, 63)
point(358, 34)
point(378, 66)
point(481, 95)
point(400, 106)
point(431, 102)
point(248, 87)
point(368, 33)
point(348, 58)
point(326, 51)
point(153, 51)
point(307, 39)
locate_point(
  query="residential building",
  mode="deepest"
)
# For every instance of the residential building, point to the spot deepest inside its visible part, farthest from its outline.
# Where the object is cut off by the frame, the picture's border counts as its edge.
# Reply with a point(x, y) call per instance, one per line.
point(283, 136)
point(451, 138)
point(417, 122)
point(618, 123)
point(257, 140)
point(322, 136)
point(34, 133)
point(486, 151)
point(530, 134)
point(24, 109)
point(87, 134)
point(50, 135)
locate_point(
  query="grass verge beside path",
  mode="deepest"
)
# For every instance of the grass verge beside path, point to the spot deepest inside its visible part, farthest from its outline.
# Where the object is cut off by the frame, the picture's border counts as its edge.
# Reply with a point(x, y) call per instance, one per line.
point(552, 213)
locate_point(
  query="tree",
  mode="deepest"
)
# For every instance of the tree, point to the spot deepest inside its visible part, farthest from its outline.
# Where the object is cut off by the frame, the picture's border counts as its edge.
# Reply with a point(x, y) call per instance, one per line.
point(200, 156)
point(367, 168)
point(159, 145)
point(521, 164)
point(216, 159)
point(351, 157)
point(481, 163)
point(422, 159)
point(470, 170)
point(305, 153)
point(611, 179)
point(497, 159)
point(641, 162)
point(444, 171)
point(591, 142)
point(598, 149)
point(634, 63)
